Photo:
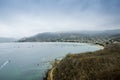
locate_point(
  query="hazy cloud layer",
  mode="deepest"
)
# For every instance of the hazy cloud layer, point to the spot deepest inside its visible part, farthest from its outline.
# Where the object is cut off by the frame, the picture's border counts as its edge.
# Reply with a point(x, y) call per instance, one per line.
point(19, 18)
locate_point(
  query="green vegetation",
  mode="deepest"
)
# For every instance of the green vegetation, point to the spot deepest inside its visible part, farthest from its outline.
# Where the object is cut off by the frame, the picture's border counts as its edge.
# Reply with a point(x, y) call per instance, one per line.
point(98, 37)
point(99, 65)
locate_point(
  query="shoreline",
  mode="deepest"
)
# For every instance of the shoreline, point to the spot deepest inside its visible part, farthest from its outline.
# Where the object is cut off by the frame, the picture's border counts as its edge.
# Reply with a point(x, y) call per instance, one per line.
point(49, 73)
point(55, 62)
point(114, 48)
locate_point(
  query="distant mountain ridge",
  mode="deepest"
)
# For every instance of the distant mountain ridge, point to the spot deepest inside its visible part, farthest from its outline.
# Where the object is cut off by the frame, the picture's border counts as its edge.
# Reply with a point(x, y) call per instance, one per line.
point(82, 36)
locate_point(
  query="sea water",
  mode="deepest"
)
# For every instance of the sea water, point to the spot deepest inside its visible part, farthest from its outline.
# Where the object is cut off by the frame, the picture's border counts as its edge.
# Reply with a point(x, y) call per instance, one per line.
point(30, 61)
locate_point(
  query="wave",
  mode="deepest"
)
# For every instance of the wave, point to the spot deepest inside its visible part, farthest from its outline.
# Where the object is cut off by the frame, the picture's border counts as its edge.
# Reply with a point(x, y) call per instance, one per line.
point(4, 64)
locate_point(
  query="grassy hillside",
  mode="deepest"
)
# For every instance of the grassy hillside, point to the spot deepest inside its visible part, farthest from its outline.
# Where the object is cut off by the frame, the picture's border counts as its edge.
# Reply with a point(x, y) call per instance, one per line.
point(99, 65)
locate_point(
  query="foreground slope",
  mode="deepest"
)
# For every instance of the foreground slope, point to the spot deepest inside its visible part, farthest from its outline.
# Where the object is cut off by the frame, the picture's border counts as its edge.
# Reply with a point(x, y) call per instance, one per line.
point(99, 65)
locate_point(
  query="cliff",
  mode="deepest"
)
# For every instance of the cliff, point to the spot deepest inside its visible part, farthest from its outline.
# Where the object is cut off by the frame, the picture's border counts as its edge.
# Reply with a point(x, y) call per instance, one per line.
point(99, 65)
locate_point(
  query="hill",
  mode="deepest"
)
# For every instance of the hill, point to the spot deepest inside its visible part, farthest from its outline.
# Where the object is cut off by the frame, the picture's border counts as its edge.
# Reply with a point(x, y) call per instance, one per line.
point(83, 36)
point(99, 65)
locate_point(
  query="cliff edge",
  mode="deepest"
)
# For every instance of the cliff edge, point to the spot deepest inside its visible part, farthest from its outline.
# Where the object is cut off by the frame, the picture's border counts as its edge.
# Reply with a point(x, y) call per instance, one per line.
point(99, 65)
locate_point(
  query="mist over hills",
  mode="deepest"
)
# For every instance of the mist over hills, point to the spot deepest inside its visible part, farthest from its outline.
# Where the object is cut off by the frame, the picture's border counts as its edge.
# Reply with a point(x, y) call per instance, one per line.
point(74, 36)
point(4, 39)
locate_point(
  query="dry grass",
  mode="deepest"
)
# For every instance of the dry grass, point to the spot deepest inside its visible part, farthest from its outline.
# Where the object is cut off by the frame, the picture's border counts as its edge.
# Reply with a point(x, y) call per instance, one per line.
point(99, 65)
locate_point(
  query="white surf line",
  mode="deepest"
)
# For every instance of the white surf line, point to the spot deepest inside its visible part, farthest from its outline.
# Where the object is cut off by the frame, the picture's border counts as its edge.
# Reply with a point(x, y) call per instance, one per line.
point(4, 64)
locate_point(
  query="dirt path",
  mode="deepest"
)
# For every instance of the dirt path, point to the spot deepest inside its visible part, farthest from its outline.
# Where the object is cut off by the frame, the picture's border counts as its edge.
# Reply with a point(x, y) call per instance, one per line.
point(50, 76)
point(51, 73)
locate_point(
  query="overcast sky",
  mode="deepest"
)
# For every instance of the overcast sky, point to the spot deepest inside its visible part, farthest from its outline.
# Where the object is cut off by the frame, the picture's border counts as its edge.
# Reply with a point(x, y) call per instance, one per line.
point(22, 18)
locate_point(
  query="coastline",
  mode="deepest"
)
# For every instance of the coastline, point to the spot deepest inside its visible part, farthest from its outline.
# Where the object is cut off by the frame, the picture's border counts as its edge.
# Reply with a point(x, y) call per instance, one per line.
point(49, 74)
point(104, 60)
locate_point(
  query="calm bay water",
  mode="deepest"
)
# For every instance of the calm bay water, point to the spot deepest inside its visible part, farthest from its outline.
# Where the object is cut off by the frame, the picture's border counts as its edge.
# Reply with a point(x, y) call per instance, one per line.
point(30, 61)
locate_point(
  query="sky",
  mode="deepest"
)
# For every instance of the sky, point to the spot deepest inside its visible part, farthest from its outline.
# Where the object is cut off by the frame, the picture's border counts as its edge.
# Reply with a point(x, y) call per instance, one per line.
point(23, 18)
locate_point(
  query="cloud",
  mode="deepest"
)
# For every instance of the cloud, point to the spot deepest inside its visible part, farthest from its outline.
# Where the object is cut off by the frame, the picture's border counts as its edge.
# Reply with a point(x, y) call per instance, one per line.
point(21, 18)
